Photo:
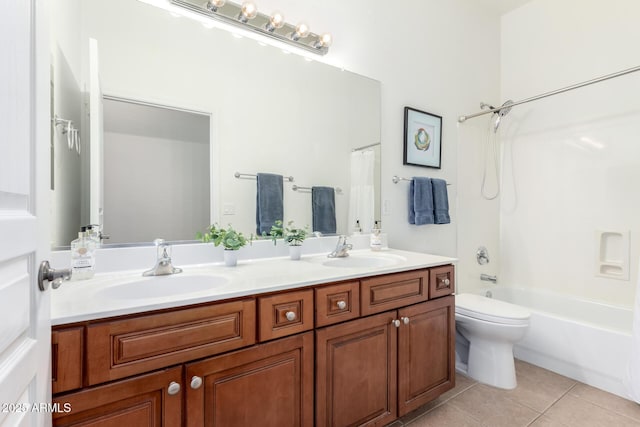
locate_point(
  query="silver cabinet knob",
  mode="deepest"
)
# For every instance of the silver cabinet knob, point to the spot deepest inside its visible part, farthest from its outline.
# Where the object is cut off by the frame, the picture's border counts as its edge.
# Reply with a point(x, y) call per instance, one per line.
point(395, 323)
point(290, 315)
point(174, 388)
point(446, 282)
point(405, 320)
point(196, 382)
point(342, 305)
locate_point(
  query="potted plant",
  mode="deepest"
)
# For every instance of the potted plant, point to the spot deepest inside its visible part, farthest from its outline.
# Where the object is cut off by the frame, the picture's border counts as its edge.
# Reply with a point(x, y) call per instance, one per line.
point(230, 239)
point(292, 236)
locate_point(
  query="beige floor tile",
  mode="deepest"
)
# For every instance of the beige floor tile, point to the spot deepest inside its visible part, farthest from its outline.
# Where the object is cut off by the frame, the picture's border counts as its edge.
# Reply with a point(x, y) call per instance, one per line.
point(538, 388)
point(576, 412)
point(444, 416)
point(545, 421)
point(607, 400)
point(462, 383)
point(493, 407)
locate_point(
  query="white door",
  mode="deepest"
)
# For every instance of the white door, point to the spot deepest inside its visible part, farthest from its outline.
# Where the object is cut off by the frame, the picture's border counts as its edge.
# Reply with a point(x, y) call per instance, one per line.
point(24, 234)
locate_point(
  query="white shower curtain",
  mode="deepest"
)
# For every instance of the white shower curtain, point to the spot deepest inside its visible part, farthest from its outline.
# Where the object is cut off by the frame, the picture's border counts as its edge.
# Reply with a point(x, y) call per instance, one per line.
point(633, 378)
point(362, 197)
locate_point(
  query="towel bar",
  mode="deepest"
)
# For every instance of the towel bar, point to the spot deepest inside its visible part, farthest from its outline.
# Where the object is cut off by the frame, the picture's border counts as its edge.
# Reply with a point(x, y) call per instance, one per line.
point(308, 189)
point(396, 179)
point(253, 176)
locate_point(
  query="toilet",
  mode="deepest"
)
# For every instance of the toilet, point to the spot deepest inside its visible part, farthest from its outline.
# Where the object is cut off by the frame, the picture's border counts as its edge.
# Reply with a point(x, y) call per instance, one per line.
point(486, 330)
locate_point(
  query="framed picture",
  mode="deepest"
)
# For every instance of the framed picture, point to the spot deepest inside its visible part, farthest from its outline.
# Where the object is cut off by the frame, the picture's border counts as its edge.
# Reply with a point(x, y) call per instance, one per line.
point(422, 138)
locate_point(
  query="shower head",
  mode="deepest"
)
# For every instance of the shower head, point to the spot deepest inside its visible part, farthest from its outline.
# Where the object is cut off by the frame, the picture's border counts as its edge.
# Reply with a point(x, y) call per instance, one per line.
point(504, 110)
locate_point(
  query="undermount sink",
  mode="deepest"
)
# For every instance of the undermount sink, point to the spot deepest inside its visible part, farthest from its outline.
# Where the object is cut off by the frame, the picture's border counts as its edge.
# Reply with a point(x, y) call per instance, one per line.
point(364, 261)
point(163, 286)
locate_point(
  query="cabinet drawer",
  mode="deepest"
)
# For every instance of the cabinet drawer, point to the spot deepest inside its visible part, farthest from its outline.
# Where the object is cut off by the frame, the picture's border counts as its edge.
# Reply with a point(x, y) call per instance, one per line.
point(116, 349)
point(337, 303)
point(285, 314)
point(382, 293)
point(441, 281)
point(66, 359)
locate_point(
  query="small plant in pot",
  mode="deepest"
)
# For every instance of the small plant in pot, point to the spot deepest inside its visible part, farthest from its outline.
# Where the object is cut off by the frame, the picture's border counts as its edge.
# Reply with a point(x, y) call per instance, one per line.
point(230, 239)
point(292, 236)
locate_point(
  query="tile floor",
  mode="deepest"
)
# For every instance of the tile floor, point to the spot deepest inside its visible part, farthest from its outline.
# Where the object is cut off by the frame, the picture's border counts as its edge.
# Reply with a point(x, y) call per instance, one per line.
point(542, 399)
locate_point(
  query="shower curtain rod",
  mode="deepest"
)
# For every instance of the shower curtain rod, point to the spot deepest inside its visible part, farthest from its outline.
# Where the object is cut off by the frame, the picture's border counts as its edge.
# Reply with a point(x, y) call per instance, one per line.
point(554, 92)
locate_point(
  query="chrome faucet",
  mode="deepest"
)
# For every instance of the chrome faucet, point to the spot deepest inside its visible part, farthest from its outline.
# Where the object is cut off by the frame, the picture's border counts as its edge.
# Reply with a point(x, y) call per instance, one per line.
point(341, 248)
point(163, 265)
point(486, 277)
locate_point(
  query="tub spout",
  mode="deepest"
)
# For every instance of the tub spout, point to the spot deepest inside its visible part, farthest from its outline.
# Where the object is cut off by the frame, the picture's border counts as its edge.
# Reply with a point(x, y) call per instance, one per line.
point(486, 277)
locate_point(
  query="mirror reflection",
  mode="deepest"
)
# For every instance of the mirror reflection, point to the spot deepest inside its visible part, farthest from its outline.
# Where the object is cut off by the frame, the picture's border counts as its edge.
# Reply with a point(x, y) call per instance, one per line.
point(262, 111)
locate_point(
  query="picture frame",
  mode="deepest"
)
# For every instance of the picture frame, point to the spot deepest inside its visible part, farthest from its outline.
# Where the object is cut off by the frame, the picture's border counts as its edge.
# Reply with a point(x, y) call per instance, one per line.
point(422, 138)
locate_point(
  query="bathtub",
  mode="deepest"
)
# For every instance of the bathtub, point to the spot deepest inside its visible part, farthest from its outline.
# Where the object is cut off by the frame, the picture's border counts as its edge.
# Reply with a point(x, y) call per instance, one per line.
point(584, 340)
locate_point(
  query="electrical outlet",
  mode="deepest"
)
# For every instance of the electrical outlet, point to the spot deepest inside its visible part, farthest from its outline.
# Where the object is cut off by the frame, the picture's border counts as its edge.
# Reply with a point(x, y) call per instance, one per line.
point(386, 207)
point(228, 209)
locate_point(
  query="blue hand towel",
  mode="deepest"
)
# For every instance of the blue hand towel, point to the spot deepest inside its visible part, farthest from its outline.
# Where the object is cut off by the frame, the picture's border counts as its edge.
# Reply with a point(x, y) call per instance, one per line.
point(269, 202)
point(440, 201)
point(323, 209)
point(420, 201)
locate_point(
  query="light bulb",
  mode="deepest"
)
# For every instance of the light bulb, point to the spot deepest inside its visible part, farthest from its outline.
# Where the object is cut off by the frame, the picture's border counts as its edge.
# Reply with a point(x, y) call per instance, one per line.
point(326, 40)
point(302, 30)
point(213, 5)
point(248, 11)
point(276, 20)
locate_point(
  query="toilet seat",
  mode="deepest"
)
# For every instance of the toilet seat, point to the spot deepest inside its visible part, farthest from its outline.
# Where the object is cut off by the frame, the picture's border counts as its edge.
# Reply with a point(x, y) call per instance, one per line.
point(491, 310)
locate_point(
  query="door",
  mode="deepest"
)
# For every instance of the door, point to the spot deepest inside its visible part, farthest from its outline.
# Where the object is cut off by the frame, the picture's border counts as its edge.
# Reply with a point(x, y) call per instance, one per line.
point(356, 372)
point(268, 385)
point(153, 400)
point(24, 234)
point(426, 354)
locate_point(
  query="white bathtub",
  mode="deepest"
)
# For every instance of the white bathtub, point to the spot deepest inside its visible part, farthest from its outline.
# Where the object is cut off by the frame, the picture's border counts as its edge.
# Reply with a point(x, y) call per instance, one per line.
point(584, 340)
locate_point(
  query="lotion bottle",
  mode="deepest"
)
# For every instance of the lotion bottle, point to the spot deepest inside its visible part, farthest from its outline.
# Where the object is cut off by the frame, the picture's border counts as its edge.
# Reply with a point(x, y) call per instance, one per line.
point(375, 241)
point(83, 259)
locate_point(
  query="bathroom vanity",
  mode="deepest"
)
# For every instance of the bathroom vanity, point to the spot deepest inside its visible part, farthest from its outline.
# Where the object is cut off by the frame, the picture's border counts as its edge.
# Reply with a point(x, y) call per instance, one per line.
point(279, 343)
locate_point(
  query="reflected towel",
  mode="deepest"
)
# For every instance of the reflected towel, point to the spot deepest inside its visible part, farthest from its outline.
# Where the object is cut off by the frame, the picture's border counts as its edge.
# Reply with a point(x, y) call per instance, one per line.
point(323, 207)
point(269, 202)
point(440, 201)
point(420, 201)
point(633, 374)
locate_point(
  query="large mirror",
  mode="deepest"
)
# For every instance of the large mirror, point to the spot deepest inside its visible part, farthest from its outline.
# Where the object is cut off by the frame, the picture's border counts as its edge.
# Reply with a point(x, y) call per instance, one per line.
point(266, 111)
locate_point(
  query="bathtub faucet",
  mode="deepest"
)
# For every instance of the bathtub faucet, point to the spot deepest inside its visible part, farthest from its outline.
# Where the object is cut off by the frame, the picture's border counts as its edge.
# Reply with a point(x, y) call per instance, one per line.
point(486, 277)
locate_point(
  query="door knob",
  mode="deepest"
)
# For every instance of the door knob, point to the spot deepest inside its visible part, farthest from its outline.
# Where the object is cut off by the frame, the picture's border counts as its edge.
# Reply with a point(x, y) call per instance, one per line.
point(396, 323)
point(405, 320)
point(290, 315)
point(47, 274)
point(196, 382)
point(342, 305)
point(174, 388)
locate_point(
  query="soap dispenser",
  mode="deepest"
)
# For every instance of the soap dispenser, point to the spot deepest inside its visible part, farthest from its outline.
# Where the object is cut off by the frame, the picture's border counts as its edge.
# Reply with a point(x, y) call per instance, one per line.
point(357, 229)
point(375, 239)
point(83, 259)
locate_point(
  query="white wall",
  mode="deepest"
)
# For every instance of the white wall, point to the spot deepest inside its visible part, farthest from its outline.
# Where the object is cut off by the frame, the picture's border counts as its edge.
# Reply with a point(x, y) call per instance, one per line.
point(575, 157)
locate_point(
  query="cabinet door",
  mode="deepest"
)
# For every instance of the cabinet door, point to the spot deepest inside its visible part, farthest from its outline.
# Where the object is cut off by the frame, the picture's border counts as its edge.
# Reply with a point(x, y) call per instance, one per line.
point(148, 400)
point(356, 372)
point(426, 354)
point(268, 385)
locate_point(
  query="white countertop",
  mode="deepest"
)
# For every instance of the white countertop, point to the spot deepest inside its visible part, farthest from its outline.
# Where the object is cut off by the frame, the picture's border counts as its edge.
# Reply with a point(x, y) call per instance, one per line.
point(127, 292)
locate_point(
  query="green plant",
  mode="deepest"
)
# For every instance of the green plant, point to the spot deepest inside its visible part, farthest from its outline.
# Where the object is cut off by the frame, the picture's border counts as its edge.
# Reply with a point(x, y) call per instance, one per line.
point(229, 238)
point(291, 235)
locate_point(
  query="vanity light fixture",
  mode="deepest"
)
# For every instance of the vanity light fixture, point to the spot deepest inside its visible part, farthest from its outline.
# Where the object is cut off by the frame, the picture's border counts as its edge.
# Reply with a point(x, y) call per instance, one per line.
point(247, 17)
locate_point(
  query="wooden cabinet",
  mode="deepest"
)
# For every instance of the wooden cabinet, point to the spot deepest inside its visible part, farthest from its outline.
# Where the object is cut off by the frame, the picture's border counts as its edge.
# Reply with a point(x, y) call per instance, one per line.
point(382, 346)
point(356, 367)
point(357, 361)
point(148, 400)
point(121, 348)
point(426, 352)
point(268, 385)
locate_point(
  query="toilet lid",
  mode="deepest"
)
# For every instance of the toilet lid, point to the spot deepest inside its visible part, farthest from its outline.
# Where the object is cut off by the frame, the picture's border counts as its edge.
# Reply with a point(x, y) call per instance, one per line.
point(491, 310)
